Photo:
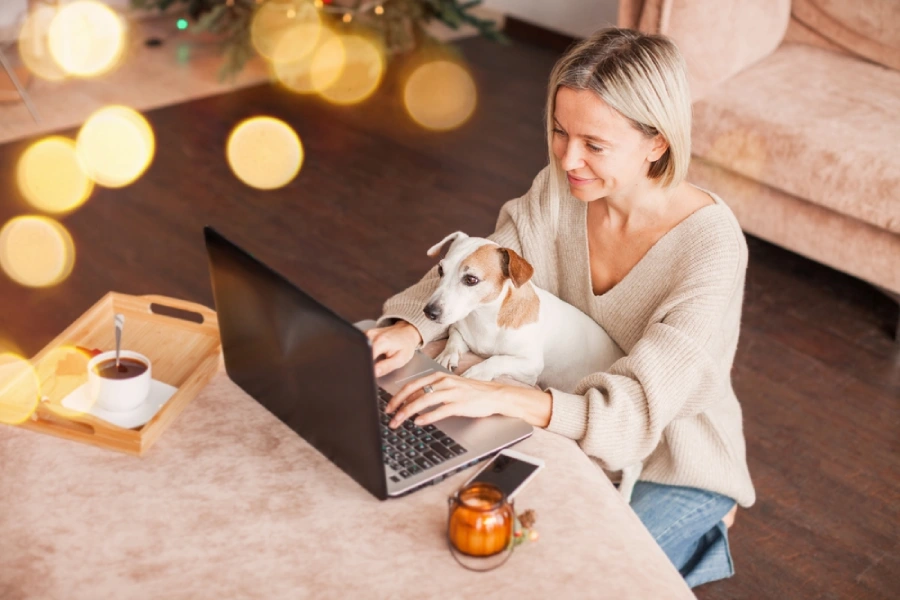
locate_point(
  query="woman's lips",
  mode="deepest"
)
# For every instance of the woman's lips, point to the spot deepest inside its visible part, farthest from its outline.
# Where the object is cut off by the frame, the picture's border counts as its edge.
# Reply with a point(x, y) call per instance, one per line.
point(577, 181)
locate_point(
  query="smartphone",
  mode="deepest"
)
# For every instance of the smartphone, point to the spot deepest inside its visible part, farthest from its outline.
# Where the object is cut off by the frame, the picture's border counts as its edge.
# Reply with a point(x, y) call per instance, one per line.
point(509, 471)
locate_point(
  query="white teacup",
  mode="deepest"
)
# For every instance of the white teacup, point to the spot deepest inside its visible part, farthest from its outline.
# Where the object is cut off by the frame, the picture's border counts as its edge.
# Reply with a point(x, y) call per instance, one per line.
point(115, 394)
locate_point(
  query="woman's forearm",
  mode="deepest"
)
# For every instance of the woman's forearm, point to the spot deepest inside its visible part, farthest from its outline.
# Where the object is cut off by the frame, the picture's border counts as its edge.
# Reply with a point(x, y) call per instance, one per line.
point(532, 406)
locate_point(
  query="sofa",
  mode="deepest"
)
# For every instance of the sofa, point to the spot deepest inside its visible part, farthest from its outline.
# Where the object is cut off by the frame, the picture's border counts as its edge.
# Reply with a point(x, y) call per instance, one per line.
point(796, 120)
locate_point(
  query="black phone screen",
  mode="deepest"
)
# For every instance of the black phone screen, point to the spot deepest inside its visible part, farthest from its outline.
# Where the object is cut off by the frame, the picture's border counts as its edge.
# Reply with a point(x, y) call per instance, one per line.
point(506, 472)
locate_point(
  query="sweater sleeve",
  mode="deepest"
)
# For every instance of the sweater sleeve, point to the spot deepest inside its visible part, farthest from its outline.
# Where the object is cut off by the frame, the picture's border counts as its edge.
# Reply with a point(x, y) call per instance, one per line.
point(677, 368)
point(518, 217)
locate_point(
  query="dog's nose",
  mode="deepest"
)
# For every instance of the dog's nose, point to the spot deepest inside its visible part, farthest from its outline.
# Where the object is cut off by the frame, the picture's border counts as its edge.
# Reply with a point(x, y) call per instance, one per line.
point(432, 312)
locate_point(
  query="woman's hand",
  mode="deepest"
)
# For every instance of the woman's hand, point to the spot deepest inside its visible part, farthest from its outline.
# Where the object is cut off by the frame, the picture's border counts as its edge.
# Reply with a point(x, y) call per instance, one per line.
point(461, 397)
point(396, 343)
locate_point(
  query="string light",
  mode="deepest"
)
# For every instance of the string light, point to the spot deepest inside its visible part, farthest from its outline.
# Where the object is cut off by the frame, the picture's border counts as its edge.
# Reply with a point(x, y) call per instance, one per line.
point(347, 17)
point(379, 10)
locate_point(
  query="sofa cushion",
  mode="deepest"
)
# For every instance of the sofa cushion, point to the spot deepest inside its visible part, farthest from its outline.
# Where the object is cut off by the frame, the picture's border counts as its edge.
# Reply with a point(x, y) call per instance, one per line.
point(813, 123)
point(717, 38)
point(868, 28)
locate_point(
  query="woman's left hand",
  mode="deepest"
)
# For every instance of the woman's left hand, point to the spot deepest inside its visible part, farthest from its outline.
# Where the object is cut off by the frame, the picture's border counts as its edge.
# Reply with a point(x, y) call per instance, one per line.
point(459, 397)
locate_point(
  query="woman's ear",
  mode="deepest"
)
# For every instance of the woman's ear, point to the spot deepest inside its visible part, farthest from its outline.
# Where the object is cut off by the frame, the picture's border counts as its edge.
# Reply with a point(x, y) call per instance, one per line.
point(658, 147)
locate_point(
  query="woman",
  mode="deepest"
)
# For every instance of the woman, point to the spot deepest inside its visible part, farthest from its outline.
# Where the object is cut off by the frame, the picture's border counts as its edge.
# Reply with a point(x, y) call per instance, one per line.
point(611, 227)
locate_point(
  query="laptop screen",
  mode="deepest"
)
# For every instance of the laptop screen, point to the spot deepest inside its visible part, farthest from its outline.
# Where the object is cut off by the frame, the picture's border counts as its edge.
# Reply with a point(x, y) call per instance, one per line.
point(302, 362)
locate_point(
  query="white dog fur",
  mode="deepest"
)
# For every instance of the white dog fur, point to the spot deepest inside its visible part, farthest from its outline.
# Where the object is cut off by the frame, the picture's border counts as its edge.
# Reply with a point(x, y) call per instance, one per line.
point(495, 311)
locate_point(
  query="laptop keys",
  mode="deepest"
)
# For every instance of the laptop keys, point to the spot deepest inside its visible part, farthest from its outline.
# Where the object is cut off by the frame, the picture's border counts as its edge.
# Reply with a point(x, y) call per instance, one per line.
point(410, 449)
point(441, 450)
point(433, 456)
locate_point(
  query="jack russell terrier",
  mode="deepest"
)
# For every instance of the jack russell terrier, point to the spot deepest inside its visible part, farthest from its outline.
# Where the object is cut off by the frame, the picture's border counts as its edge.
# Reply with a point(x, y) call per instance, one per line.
point(493, 310)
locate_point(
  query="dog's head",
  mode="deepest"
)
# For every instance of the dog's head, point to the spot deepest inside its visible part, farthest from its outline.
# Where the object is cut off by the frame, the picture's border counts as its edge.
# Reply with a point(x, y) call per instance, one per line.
point(473, 272)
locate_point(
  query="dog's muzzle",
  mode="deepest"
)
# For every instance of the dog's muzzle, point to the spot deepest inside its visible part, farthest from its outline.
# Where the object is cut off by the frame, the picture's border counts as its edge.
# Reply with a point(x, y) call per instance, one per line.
point(433, 312)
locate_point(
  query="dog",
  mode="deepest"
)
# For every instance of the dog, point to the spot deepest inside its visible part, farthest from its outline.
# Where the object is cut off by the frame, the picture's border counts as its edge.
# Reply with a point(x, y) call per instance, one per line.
point(495, 311)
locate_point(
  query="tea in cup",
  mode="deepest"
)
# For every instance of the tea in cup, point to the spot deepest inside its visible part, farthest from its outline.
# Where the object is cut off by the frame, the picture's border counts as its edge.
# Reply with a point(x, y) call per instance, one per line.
point(122, 387)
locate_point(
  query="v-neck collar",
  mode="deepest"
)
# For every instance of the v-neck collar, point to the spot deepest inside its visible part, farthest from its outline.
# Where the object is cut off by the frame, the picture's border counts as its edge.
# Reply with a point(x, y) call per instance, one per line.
point(664, 240)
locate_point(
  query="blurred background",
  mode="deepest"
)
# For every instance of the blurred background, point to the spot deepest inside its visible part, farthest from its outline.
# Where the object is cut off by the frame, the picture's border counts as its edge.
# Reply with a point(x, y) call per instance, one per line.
point(337, 140)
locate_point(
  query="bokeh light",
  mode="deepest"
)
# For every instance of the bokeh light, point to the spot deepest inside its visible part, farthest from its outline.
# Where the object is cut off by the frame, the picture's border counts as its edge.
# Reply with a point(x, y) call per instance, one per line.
point(276, 18)
point(115, 145)
point(440, 95)
point(86, 38)
point(51, 177)
point(34, 49)
point(8, 345)
point(61, 371)
point(20, 389)
point(293, 58)
point(360, 67)
point(36, 251)
point(264, 153)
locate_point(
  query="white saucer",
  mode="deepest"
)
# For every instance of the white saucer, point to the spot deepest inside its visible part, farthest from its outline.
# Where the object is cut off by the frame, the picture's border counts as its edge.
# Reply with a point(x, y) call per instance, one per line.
point(159, 394)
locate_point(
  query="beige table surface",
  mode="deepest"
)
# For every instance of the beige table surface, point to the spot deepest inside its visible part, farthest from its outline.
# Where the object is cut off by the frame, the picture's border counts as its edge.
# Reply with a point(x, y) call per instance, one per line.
point(230, 503)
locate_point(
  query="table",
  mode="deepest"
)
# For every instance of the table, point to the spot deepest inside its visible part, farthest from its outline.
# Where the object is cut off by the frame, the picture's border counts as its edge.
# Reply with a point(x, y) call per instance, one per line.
point(230, 503)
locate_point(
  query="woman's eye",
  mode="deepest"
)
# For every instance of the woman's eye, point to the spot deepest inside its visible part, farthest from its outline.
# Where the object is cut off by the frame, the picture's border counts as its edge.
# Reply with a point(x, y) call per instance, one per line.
point(470, 280)
point(559, 132)
point(440, 271)
point(594, 149)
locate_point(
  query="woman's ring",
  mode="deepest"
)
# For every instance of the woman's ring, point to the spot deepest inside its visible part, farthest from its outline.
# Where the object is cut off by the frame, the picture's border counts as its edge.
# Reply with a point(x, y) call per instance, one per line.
point(428, 389)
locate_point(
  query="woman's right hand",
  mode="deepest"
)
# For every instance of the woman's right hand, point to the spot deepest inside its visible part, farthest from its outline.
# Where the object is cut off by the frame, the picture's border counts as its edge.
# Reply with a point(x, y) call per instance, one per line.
point(396, 343)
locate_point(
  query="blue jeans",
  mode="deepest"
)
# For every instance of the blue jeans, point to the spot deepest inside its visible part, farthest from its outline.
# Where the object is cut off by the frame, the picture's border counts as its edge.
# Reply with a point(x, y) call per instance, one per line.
point(687, 524)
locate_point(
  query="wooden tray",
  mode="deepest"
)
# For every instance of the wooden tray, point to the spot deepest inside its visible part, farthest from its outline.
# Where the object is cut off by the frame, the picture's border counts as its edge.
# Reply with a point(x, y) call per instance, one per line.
point(183, 353)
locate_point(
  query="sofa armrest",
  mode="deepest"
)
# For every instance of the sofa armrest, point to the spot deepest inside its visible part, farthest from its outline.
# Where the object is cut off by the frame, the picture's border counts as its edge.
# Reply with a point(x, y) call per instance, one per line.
point(718, 38)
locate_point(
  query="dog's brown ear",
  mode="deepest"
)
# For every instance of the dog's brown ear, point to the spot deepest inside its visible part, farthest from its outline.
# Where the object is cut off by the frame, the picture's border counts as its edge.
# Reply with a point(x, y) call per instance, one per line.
point(444, 245)
point(515, 267)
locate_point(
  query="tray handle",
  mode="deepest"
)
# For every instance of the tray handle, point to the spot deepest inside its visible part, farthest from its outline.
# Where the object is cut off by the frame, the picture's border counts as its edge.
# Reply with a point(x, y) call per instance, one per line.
point(207, 316)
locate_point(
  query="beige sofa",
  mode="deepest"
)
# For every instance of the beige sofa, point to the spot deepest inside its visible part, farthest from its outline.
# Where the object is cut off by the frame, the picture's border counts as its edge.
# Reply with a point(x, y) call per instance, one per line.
point(796, 120)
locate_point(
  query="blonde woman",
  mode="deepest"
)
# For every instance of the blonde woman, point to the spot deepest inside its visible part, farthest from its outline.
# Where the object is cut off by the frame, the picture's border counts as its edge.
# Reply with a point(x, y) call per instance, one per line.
point(612, 227)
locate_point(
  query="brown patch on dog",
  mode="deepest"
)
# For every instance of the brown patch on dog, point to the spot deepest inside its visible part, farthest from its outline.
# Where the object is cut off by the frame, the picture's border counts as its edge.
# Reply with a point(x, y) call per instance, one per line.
point(485, 262)
point(520, 307)
point(515, 267)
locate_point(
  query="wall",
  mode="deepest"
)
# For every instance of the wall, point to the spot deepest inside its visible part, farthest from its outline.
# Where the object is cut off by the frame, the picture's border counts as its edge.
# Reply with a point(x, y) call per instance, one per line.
point(577, 18)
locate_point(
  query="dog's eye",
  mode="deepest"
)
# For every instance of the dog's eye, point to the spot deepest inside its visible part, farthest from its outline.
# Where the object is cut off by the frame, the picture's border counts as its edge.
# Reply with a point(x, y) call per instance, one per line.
point(440, 271)
point(470, 280)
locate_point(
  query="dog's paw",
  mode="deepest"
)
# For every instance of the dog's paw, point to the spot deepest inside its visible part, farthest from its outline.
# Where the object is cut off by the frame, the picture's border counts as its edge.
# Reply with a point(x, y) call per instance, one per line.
point(449, 359)
point(480, 372)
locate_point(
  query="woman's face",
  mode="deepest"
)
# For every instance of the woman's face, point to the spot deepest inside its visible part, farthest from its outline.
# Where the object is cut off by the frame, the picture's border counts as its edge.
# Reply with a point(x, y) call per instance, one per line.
point(602, 154)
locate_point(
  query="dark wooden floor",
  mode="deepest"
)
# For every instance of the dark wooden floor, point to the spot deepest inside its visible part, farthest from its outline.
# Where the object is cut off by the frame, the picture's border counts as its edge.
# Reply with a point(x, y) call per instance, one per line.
point(816, 369)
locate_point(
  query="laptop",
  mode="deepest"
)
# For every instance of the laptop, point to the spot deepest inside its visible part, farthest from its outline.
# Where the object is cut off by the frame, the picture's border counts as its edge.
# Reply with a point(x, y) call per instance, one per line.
point(314, 371)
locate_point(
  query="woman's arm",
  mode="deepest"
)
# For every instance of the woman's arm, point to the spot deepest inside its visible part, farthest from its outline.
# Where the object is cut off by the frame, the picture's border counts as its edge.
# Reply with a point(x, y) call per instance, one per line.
point(463, 397)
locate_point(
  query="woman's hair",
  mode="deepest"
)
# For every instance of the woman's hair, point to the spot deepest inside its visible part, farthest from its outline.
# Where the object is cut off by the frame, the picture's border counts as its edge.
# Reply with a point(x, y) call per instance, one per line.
point(642, 77)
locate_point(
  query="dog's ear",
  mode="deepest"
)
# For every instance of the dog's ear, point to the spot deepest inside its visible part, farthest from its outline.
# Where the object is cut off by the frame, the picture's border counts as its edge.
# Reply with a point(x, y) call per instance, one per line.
point(515, 267)
point(448, 241)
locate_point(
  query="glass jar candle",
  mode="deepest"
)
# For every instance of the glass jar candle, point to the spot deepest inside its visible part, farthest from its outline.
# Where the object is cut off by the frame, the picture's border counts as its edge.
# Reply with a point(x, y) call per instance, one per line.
point(481, 524)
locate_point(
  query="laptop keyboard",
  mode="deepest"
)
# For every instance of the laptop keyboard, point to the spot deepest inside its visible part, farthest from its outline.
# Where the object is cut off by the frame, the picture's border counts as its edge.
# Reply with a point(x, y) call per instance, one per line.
point(411, 449)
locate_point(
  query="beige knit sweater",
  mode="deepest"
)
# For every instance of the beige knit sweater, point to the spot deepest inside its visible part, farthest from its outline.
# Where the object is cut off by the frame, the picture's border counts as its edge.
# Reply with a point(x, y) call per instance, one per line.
point(676, 314)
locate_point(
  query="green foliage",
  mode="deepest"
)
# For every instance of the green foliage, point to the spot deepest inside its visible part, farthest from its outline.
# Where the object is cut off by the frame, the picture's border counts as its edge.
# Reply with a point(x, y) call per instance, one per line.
point(400, 26)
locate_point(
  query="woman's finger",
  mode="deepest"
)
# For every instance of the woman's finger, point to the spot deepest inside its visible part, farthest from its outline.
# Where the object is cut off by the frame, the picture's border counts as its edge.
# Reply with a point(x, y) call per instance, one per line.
point(448, 409)
point(393, 360)
point(411, 388)
point(418, 404)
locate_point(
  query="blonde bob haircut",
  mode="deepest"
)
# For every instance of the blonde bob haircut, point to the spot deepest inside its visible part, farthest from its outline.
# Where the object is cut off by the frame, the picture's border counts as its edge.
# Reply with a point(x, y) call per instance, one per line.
point(643, 78)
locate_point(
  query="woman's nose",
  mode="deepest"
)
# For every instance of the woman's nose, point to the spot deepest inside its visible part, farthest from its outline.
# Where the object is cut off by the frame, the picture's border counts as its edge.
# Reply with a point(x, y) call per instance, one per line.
point(571, 159)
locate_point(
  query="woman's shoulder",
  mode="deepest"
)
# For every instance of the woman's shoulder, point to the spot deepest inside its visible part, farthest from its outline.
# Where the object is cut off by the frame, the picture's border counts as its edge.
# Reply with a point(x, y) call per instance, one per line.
point(710, 240)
